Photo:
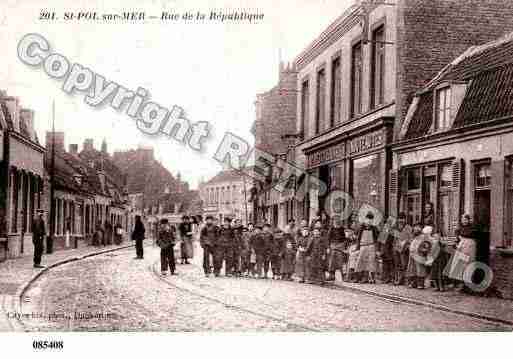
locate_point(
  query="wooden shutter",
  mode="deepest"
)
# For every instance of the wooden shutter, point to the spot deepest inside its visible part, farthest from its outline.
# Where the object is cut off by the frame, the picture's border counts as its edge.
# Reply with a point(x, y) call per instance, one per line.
point(393, 191)
point(458, 175)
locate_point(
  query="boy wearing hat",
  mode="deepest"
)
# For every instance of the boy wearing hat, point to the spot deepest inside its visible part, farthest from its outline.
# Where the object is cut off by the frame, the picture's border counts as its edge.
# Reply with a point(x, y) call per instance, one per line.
point(166, 242)
point(208, 239)
point(223, 249)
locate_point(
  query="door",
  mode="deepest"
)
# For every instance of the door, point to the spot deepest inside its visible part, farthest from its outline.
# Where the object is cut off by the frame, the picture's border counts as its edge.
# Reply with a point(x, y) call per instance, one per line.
point(482, 209)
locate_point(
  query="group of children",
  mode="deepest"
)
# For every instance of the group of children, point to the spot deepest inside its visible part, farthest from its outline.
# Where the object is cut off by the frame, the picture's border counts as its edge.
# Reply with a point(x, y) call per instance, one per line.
point(402, 254)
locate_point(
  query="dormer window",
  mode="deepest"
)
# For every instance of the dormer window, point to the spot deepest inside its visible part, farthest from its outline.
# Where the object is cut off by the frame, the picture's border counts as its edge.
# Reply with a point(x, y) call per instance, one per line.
point(443, 108)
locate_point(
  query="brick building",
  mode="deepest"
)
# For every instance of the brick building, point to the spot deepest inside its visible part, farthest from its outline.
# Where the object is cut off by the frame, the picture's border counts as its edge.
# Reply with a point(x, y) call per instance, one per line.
point(356, 82)
point(455, 150)
point(275, 122)
point(21, 176)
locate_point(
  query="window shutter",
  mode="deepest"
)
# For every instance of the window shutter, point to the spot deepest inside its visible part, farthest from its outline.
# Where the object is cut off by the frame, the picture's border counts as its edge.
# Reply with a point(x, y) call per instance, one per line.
point(393, 196)
point(457, 198)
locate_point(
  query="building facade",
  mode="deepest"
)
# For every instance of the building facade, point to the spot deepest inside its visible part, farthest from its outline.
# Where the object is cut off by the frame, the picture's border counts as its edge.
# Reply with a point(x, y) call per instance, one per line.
point(455, 150)
point(274, 132)
point(226, 195)
point(21, 176)
point(357, 79)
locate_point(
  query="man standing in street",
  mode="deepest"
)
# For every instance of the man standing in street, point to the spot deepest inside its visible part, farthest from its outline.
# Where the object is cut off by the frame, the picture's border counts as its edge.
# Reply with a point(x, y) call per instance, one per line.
point(223, 249)
point(208, 240)
point(236, 247)
point(38, 237)
point(263, 258)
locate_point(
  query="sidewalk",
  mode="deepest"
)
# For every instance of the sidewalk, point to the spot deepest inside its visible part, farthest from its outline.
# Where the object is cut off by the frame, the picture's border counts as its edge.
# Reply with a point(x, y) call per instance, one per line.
point(16, 273)
point(499, 310)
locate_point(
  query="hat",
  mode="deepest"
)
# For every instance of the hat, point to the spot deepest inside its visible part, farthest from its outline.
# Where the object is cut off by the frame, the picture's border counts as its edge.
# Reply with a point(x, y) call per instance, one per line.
point(40, 210)
point(164, 221)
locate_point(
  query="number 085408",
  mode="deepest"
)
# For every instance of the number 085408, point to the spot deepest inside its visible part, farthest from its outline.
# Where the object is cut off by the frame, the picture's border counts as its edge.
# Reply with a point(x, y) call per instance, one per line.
point(45, 345)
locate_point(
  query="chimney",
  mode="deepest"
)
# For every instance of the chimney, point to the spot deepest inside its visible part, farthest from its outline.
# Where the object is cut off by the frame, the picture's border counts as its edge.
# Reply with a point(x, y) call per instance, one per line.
point(104, 146)
point(73, 149)
point(56, 139)
point(88, 144)
point(28, 116)
point(12, 104)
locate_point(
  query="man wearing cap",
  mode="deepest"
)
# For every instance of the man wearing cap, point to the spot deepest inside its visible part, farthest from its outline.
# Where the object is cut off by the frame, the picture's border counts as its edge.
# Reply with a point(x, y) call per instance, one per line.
point(208, 239)
point(223, 249)
point(166, 242)
point(38, 237)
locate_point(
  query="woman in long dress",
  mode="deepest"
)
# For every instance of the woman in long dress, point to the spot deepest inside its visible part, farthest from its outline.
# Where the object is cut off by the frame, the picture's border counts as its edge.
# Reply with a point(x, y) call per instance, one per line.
point(185, 229)
point(367, 238)
point(466, 249)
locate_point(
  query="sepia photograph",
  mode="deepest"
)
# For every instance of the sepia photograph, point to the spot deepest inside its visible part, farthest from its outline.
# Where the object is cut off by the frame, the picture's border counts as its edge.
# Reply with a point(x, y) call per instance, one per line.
point(231, 169)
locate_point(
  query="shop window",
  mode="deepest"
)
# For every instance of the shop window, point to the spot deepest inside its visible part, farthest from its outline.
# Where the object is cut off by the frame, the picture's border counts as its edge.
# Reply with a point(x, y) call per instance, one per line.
point(443, 108)
point(335, 180)
point(367, 180)
point(413, 176)
point(413, 209)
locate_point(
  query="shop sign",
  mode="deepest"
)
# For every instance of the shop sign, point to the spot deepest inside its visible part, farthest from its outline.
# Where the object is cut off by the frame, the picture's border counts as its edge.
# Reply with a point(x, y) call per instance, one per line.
point(366, 142)
point(329, 154)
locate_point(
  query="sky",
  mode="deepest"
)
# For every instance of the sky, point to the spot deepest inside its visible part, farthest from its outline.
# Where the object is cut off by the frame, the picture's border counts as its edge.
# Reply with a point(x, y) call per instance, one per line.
point(212, 70)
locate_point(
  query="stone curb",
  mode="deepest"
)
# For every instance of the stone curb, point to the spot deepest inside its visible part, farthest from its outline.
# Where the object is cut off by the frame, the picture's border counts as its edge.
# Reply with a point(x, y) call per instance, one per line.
point(424, 304)
point(16, 300)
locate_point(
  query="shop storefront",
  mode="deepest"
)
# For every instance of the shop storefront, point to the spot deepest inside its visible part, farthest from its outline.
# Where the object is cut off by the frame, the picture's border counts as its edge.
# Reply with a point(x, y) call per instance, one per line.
point(356, 163)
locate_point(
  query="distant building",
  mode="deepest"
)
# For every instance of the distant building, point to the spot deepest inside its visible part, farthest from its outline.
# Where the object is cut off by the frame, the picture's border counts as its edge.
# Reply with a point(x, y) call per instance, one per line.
point(226, 196)
point(175, 205)
point(21, 176)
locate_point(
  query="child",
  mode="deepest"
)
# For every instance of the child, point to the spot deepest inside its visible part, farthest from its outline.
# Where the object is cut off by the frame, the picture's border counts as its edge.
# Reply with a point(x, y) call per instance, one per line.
point(288, 261)
point(353, 252)
point(245, 252)
point(166, 242)
point(417, 269)
point(439, 263)
point(301, 263)
point(316, 251)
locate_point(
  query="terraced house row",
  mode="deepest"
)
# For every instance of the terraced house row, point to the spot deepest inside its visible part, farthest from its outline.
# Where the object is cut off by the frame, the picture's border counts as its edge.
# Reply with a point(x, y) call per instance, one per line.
point(91, 188)
point(400, 104)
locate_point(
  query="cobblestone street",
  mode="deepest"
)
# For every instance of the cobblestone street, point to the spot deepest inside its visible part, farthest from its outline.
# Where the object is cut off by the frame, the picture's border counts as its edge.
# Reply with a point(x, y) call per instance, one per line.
point(114, 292)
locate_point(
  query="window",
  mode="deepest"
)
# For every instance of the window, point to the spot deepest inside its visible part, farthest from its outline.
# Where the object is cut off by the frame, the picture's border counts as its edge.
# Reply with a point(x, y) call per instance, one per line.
point(413, 177)
point(320, 107)
point(305, 108)
point(336, 92)
point(443, 108)
point(482, 194)
point(356, 80)
point(445, 175)
point(482, 175)
point(377, 95)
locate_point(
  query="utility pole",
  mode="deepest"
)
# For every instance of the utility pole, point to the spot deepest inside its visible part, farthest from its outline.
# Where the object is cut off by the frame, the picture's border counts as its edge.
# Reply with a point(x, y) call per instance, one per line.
point(50, 238)
point(245, 199)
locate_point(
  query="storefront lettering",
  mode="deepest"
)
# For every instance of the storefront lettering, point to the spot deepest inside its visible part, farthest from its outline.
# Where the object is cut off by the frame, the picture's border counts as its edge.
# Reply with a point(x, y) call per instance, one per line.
point(366, 142)
point(326, 155)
